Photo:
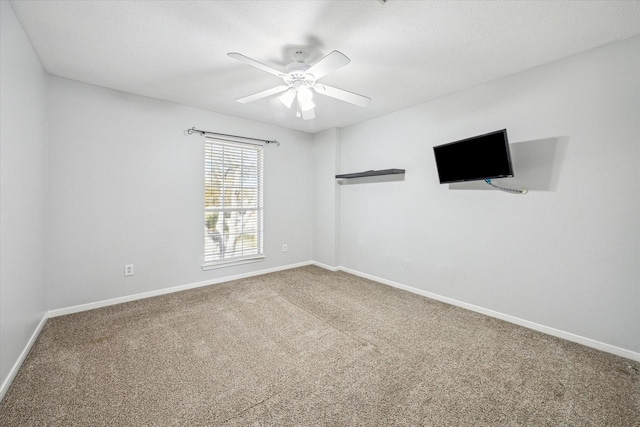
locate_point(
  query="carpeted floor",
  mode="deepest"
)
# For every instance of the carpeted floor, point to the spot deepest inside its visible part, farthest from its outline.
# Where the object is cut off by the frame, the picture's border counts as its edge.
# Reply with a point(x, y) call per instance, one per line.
point(309, 347)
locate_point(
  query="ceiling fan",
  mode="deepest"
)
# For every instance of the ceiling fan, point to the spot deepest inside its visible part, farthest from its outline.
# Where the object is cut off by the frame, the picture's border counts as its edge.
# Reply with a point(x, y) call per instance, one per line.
point(301, 80)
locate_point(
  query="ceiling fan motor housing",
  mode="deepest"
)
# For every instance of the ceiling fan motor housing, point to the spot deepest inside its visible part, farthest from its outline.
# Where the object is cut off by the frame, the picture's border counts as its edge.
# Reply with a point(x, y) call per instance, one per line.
point(296, 75)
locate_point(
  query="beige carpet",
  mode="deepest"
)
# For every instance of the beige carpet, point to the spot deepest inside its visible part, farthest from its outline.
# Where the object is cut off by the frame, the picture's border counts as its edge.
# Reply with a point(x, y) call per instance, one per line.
point(308, 347)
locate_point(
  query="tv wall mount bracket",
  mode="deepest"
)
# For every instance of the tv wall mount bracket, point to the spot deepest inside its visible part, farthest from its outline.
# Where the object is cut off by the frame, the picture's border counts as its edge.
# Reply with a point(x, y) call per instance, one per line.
point(507, 190)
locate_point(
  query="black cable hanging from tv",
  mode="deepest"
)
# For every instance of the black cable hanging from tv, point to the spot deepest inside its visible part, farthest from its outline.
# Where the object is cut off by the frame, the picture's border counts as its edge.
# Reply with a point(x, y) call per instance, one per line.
point(507, 190)
point(206, 132)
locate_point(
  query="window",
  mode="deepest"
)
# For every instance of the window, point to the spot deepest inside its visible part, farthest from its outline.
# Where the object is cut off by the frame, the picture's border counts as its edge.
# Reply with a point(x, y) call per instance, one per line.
point(232, 203)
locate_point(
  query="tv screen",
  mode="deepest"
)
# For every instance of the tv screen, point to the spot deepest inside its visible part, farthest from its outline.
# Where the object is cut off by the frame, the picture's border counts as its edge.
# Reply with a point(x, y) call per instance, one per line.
point(480, 157)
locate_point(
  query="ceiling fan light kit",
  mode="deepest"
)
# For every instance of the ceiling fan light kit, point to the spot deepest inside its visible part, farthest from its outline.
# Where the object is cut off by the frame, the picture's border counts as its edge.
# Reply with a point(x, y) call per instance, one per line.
point(288, 97)
point(300, 81)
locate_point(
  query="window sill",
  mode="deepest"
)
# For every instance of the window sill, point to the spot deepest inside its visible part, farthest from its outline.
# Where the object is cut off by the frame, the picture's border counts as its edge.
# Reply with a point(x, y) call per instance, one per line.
point(221, 264)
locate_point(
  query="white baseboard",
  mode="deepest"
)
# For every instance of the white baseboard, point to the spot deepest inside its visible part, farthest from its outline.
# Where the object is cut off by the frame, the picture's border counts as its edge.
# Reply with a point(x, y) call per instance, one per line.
point(25, 352)
point(113, 301)
point(325, 266)
point(508, 318)
point(134, 297)
point(90, 306)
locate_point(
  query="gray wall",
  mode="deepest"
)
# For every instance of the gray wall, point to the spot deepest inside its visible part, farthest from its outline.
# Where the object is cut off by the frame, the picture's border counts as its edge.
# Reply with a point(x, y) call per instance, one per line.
point(23, 211)
point(566, 255)
point(326, 232)
point(126, 187)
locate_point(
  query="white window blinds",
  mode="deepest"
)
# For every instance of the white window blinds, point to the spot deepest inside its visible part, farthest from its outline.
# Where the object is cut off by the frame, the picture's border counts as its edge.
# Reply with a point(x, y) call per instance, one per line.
point(232, 203)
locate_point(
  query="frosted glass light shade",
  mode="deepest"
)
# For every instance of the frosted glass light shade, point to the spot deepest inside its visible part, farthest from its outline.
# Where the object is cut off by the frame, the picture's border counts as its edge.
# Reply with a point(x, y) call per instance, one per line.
point(288, 97)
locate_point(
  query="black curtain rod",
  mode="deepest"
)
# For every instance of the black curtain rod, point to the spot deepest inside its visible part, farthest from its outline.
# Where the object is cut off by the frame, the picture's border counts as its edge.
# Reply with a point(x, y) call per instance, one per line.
point(206, 132)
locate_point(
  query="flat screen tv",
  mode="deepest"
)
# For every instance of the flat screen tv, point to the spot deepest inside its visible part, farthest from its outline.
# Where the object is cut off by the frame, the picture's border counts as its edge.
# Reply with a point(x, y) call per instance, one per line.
point(478, 158)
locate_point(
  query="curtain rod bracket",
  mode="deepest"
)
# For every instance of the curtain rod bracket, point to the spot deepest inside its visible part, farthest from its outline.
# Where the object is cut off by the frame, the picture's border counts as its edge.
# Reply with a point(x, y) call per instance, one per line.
point(206, 132)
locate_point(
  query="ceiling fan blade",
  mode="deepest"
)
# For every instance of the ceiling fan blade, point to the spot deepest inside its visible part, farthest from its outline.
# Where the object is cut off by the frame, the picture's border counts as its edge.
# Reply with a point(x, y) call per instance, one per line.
point(263, 94)
point(328, 64)
point(342, 95)
point(308, 114)
point(240, 57)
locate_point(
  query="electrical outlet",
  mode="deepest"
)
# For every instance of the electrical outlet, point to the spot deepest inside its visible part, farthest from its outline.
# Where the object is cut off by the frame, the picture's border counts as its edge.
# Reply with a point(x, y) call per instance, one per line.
point(284, 248)
point(128, 269)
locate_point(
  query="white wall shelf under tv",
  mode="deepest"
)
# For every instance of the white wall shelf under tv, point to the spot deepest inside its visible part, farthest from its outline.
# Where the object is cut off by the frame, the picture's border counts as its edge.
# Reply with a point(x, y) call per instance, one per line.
point(370, 173)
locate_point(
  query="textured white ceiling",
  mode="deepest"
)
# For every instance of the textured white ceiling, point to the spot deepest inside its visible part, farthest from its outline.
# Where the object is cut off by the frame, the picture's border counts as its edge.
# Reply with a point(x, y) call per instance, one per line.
point(402, 52)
